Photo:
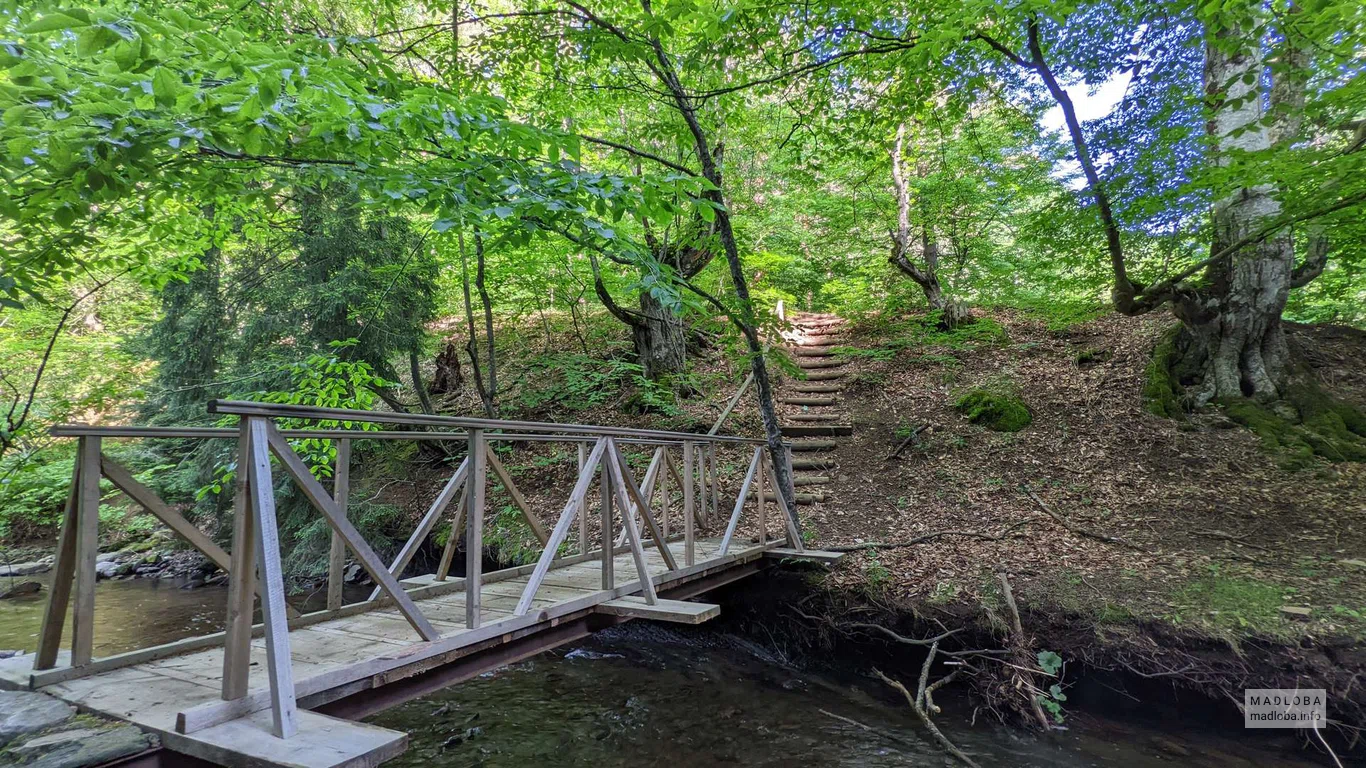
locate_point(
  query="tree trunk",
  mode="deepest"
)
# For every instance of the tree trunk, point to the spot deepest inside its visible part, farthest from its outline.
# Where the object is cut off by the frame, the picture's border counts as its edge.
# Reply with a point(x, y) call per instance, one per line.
point(925, 273)
point(660, 338)
point(1233, 344)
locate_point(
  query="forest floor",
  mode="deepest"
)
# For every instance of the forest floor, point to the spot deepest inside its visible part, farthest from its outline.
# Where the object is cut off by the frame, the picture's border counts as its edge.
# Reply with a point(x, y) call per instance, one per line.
point(1187, 552)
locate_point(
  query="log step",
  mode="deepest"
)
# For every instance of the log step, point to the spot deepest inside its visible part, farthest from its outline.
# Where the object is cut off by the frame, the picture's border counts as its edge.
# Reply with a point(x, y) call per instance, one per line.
point(819, 362)
point(821, 340)
point(811, 322)
point(805, 387)
point(810, 480)
point(814, 445)
point(817, 430)
point(810, 498)
point(808, 401)
point(813, 463)
point(825, 375)
point(813, 417)
point(813, 351)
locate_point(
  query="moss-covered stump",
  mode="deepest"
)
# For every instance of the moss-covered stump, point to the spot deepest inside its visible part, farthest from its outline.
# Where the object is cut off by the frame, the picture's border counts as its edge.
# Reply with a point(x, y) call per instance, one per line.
point(994, 409)
point(1308, 423)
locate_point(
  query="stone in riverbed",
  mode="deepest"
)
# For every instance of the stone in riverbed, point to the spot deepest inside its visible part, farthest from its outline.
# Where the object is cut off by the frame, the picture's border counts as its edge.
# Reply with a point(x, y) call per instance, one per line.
point(25, 569)
point(22, 588)
point(23, 712)
point(89, 746)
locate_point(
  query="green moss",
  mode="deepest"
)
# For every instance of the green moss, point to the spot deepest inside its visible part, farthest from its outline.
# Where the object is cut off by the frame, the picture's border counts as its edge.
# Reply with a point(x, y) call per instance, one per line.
point(994, 409)
point(1327, 428)
point(1161, 391)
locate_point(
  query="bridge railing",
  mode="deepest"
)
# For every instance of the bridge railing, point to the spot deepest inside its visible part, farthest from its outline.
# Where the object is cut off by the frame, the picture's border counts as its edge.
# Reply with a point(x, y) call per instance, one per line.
point(253, 563)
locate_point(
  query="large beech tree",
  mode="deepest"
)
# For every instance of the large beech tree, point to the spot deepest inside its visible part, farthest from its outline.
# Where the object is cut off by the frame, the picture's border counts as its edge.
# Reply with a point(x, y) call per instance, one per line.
point(1274, 183)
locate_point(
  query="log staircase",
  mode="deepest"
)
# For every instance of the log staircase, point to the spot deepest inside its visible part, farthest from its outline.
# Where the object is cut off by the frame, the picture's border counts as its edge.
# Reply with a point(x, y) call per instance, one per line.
point(812, 409)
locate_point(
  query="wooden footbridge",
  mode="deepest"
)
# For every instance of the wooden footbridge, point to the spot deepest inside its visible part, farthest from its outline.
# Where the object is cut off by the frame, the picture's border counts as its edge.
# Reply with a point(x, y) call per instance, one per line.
point(287, 689)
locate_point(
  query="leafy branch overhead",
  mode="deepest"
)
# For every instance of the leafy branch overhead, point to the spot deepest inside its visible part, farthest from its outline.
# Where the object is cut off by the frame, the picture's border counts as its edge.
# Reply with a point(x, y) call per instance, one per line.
point(123, 124)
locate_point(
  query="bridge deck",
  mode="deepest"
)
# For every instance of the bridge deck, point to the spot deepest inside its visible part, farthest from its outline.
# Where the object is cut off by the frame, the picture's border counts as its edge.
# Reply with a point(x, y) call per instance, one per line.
point(178, 694)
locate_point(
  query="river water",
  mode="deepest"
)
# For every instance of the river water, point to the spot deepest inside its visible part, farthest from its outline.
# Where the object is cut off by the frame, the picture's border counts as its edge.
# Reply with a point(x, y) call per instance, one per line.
point(647, 695)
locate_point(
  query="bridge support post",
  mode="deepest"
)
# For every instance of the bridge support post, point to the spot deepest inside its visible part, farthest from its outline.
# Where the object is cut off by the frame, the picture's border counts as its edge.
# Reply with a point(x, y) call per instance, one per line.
point(474, 526)
point(763, 502)
point(87, 549)
point(282, 704)
point(605, 518)
point(241, 577)
point(63, 572)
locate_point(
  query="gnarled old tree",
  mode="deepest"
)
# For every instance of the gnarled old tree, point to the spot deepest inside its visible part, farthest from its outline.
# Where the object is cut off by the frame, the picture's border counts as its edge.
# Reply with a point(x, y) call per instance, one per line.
point(658, 332)
point(918, 256)
point(1232, 345)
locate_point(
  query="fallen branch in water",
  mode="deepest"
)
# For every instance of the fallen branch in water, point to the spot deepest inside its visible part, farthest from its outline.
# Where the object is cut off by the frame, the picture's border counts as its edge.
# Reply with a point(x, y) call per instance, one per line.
point(980, 535)
point(1076, 529)
point(918, 708)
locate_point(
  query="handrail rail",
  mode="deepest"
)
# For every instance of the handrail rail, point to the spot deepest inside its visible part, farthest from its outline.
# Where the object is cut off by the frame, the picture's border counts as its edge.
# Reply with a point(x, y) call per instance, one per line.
point(273, 410)
point(221, 433)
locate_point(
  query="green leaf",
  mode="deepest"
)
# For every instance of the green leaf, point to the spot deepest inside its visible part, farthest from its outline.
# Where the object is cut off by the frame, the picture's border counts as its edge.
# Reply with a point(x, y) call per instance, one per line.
point(1050, 662)
point(165, 86)
point(52, 22)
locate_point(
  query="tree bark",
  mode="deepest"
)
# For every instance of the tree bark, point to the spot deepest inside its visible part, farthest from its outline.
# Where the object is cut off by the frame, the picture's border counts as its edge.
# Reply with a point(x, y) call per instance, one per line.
point(660, 338)
point(1234, 345)
point(423, 397)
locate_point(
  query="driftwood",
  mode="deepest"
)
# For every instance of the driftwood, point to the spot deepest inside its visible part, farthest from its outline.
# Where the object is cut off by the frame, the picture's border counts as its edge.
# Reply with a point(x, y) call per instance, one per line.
point(1022, 646)
point(1076, 529)
point(917, 706)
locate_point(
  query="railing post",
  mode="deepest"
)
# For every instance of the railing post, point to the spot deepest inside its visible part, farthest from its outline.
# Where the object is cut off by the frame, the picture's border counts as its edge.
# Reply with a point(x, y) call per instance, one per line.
point(714, 514)
point(763, 502)
point(87, 550)
point(664, 494)
point(583, 508)
point(273, 615)
point(689, 500)
point(605, 513)
point(474, 527)
point(336, 558)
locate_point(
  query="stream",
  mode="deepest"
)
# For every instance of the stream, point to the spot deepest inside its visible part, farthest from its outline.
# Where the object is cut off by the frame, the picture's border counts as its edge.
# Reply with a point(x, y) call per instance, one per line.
point(643, 694)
